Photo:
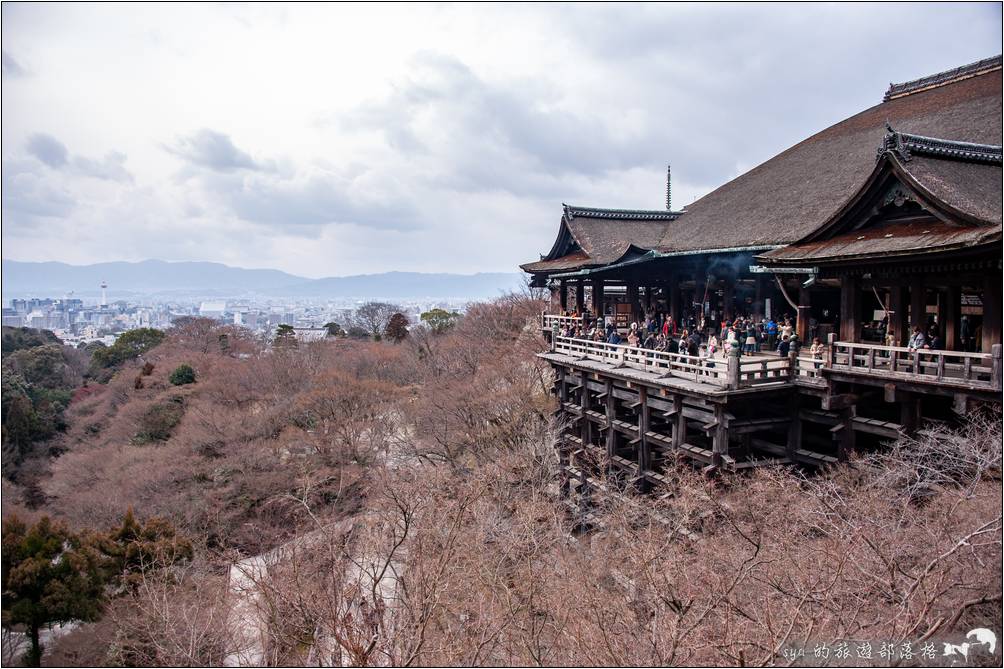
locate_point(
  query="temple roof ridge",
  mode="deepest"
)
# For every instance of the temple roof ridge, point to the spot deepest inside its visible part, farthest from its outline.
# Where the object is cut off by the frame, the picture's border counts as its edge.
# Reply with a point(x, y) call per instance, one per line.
point(942, 78)
point(626, 214)
point(905, 145)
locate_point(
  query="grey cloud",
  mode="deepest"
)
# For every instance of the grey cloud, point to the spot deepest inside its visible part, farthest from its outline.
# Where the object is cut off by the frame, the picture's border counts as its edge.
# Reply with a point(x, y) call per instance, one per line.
point(28, 195)
point(304, 205)
point(110, 168)
point(212, 150)
point(512, 137)
point(48, 149)
point(11, 68)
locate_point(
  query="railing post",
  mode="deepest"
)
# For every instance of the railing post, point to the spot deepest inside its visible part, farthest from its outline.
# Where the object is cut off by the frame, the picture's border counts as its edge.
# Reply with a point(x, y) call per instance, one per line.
point(831, 344)
point(995, 367)
point(792, 365)
point(734, 368)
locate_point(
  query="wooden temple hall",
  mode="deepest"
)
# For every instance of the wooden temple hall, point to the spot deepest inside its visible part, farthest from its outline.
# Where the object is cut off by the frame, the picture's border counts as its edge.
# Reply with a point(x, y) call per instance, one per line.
point(885, 222)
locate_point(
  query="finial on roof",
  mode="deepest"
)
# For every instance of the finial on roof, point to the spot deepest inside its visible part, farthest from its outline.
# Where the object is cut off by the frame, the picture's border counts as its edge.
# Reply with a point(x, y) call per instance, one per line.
point(888, 126)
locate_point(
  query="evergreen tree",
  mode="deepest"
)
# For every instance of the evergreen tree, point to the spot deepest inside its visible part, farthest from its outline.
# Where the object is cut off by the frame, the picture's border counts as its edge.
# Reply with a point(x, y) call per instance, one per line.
point(50, 575)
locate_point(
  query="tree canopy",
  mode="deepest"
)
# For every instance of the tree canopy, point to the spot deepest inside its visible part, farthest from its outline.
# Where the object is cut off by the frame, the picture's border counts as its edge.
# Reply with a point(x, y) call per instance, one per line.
point(129, 345)
point(16, 339)
point(397, 328)
point(50, 575)
point(439, 320)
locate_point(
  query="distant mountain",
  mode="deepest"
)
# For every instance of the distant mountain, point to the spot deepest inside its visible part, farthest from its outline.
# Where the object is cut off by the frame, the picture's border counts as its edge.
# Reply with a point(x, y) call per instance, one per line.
point(180, 279)
point(148, 276)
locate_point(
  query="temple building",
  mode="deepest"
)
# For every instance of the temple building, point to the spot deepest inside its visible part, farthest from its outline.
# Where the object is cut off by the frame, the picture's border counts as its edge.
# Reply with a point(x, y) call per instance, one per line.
point(885, 222)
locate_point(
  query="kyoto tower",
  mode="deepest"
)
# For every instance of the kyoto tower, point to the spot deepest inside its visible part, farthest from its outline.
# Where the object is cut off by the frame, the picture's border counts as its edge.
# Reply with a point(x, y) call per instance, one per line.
point(104, 295)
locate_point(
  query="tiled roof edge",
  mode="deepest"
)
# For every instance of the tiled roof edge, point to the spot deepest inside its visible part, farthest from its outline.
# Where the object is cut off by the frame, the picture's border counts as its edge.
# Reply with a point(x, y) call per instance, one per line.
point(942, 78)
point(625, 214)
point(906, 145)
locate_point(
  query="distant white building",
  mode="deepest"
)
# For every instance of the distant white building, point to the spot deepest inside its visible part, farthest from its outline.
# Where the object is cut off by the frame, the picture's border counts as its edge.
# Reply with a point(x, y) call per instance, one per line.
point(310, 334)
point(212, 309)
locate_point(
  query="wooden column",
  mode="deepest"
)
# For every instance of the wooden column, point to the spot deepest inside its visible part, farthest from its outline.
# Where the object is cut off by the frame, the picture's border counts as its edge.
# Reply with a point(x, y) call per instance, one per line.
point(899, 319)
point(950, 317)
point(644, 449)
point(909, 412)
point(728, 313)
point(758, 297)
point(674, 297)
point(991, 311)
point(597, 298)
point(849, 308)
point(563, 295)
point(611, 416)
point(795, 426)
point(586, 429)
point(720, 440)
point(802, 320)
point(918, 304)
point(580, 297)
point(632, 298)
point(680, 428)
point(648, 299)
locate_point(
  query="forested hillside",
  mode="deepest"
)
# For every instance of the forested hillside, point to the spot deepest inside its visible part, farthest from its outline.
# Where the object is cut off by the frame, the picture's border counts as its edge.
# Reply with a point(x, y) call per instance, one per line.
point(370, 503)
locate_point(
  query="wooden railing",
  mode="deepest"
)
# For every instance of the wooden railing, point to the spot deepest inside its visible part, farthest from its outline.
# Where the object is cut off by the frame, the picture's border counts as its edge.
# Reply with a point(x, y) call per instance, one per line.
point(728, 372)
point(808, 370)
point(978, 371)
point(547, 321)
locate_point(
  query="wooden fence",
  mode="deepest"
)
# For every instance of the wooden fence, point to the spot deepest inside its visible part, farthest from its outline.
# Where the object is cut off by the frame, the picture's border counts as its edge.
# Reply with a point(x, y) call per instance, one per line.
point(974, 371)
point(977, 371)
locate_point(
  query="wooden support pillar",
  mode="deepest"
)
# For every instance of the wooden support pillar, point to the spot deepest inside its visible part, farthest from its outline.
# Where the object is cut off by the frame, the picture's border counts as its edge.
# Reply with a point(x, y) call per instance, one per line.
point(949, 317)
point(674, 298)
point(611, 405)
point(845, 439)
point(849, 307)
point(632, 298)
point(597, 298)
point(918, 304)
point(899, 319)
point(720, 439)
point(991, 311)
point(728, 312)
point(795, 426)
point(648, 299)
point(580, 297)
point(644, 418)
point(802, 317)
point(680, 427)
point(758, 297)
point(563, 295)
point(909, 411)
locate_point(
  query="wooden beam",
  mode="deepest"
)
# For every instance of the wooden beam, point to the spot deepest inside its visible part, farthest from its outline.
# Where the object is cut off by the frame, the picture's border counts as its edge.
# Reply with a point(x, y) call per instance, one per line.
point(918, 304)
point(802, 322)
point(849, 306)
point(991, 311)
point(899, 317)
point(597, 295)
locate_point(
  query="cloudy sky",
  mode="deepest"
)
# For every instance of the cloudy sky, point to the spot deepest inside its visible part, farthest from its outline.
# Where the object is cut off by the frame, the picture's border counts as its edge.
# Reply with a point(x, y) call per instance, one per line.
point(338, 139)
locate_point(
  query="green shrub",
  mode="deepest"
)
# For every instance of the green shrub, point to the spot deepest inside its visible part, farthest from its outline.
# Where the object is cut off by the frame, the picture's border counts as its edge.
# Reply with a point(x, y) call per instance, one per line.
point(182, 375)
point(159, 421)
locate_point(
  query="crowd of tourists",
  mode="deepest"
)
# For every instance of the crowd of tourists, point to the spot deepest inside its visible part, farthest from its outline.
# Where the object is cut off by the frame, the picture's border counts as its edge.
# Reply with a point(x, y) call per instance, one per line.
point(745, 335)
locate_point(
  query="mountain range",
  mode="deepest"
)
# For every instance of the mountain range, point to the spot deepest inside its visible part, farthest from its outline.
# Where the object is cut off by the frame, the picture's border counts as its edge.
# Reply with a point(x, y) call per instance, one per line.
point(179, 279)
